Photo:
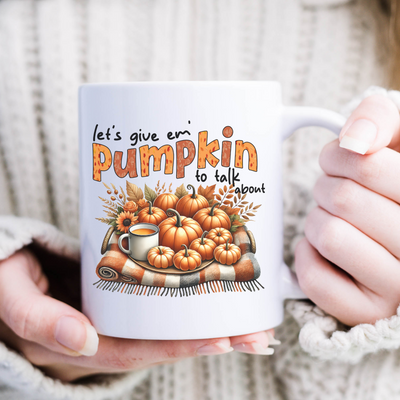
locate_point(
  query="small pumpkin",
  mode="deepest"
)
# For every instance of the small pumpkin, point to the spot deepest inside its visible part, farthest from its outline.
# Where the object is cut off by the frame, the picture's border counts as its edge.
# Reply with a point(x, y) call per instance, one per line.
point(205, 247)
point(191, 203)
point(187, 260)
point(220, 235)
point(152, 215)
point(211, 217)
point(165, 201)
point(161, 257)
point(227, 253)
point(177, 230)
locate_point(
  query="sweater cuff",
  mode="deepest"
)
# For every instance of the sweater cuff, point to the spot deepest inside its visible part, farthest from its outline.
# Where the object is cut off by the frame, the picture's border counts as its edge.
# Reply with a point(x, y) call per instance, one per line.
point(15, 370)
point(16, 233)
point(322, 335)
point(393, 95)
point(20, 377)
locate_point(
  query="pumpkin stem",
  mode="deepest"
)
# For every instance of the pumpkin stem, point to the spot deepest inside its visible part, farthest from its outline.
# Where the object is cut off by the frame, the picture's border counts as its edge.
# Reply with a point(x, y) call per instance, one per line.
point(212, 209)
point(227, 245)
point(150, 208)
point(202, 238)
point(194, 191)
point(160, 250)
point(186, 250)
point(177, 215)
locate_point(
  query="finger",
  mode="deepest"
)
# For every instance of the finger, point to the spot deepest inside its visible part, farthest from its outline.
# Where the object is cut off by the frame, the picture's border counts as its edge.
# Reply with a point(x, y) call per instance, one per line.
point(344, 245)
point(334, 290)
point(66, 368)
point(116, 355)
point(374, 215)
point(255, 343)
point(39, 318)
point(374, 124)
point(378, 171)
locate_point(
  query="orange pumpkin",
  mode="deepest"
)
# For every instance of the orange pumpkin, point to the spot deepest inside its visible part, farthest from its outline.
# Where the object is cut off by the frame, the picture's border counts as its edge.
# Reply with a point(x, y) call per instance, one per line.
point(205, 247)
point(227, 254)
point(191, 203)
point(161, 257)
point(210, 218)
point(178, 230)
point(165, 201)
point(220, 235)
point(152, 215)
point(187, 260)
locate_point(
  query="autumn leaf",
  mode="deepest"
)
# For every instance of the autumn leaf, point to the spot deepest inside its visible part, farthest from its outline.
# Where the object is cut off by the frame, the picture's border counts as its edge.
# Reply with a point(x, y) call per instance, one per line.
point(134, 192)
point(181, 191)
point(236, 222)
point(230, 211)
point(149, 194)
point(207, 192)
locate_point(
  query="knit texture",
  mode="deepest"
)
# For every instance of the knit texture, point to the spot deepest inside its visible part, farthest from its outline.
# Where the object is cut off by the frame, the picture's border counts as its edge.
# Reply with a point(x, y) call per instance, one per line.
point(325, 53)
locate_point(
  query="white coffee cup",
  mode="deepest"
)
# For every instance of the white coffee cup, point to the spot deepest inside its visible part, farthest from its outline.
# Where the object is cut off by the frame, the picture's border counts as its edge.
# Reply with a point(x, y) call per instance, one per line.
point(140, 140)
point(139, 244)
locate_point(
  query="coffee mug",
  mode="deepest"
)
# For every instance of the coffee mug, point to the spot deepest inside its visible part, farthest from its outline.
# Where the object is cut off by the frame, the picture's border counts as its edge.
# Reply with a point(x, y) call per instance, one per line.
point(200, 164)
point(142, 237)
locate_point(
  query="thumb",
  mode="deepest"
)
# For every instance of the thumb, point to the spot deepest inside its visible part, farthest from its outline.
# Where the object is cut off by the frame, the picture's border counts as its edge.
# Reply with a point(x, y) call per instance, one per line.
point(38, 318)
point(374, 124)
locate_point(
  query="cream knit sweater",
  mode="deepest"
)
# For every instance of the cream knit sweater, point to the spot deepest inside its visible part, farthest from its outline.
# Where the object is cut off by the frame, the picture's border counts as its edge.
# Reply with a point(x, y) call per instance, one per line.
point(324, 52)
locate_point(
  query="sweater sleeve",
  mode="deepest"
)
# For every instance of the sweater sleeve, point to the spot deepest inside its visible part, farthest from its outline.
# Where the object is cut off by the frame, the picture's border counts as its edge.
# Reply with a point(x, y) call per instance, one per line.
point(16, 372)
point(322, 335)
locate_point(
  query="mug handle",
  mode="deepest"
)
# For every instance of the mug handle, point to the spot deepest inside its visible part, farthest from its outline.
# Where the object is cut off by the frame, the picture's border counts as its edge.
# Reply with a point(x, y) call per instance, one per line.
point(122, 248)
point(294, 118)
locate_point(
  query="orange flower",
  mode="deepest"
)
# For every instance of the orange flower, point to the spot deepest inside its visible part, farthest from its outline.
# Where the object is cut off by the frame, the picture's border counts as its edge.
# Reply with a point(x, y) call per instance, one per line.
point(130, 206)
point(142, 203)
point(125, 220)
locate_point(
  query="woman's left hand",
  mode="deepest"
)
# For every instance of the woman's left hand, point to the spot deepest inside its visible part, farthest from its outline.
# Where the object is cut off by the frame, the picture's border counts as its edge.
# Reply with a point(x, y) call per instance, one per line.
point(349, 262)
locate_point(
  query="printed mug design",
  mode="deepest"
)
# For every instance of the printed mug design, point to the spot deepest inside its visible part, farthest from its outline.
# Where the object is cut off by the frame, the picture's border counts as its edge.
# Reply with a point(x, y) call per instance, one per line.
point(191, 241)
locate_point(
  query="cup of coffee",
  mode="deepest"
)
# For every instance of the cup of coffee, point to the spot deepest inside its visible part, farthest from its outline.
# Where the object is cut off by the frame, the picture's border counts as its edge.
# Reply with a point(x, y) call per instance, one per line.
point(181, 206)
point(141, 238)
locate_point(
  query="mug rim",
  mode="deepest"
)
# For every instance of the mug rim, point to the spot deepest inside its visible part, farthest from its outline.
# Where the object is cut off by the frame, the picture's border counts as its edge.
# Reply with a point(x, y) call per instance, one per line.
point(272, 83)
point(146, 224)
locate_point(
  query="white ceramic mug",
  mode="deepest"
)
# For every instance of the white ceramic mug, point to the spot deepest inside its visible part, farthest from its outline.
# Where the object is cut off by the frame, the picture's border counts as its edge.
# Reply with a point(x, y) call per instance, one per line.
point(139, 245)
point(150, 140)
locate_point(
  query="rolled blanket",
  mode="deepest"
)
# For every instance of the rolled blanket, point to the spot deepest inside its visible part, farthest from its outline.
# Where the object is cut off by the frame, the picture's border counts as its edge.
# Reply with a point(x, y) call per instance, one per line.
point(118, 272)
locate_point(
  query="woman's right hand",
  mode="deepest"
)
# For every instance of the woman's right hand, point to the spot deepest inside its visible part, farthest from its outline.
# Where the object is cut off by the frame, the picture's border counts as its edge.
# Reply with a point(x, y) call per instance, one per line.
point(63, 343)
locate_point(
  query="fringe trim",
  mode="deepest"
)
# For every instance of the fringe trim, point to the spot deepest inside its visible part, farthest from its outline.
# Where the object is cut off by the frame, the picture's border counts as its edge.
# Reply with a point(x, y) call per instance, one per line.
point(202, 288)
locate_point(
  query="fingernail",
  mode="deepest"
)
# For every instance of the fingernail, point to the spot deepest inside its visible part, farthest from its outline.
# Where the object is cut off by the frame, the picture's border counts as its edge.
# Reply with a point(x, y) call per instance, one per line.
point(253, 348)
point(272, 340)
point(359, 136)
point(213, 349)
point(77, 335)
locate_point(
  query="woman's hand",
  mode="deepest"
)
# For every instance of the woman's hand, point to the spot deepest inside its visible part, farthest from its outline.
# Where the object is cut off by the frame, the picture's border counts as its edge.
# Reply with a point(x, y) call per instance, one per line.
point(53, 335)
point(349, 262)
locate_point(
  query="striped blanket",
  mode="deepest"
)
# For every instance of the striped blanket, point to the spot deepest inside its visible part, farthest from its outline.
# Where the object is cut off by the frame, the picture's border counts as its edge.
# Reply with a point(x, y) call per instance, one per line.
point(117, 272)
